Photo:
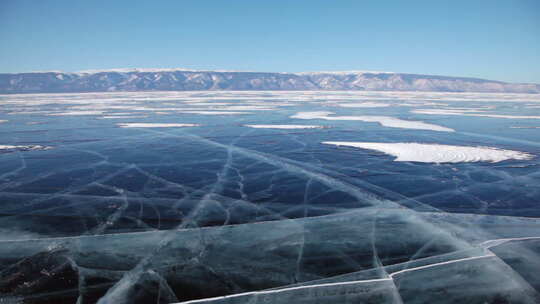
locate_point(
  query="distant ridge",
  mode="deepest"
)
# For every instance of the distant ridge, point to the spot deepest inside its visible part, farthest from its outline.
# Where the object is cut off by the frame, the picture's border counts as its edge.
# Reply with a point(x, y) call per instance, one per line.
point(176, 79)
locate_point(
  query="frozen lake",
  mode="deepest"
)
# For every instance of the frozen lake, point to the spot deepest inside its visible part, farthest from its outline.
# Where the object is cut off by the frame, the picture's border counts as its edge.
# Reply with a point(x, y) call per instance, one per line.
point(313, 193)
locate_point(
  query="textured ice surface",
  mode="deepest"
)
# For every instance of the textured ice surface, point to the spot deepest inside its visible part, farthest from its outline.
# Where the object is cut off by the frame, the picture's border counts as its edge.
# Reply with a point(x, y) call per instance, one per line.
point(433, 153)
point(224, 213)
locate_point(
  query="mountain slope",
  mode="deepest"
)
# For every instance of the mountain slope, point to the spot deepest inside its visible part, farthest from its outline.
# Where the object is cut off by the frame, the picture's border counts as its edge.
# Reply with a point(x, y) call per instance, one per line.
point(183, 80)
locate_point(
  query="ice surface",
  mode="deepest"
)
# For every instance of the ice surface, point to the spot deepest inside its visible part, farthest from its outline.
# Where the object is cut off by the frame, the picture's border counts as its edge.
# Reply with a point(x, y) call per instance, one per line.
point(434, 153)
point(201, 261)
point(233, 212)
point(386, 121)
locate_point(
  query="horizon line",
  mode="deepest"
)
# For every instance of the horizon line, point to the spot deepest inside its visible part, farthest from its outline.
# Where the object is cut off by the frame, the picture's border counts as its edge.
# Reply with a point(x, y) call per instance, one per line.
point(157, 70)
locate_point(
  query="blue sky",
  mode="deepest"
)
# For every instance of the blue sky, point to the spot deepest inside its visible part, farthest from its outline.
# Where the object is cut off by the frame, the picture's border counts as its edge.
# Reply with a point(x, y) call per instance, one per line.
point(492, 39)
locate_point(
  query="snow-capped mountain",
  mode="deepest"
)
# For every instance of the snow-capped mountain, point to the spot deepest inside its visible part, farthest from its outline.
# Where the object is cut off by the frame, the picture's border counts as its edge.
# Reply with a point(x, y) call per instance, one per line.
point(182, 80)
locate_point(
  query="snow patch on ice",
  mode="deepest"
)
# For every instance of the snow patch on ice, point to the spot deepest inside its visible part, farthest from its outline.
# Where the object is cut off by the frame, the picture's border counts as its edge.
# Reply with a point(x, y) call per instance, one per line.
point(312, 115)
point(13, 148)
point(285, 126)
point(121, 117)
point(364, 105)
point(214, 112)
point(76, 113)
point(468, 113)
point(155, 125)
point(245, 108)
point(435, 153)
point(386, 121)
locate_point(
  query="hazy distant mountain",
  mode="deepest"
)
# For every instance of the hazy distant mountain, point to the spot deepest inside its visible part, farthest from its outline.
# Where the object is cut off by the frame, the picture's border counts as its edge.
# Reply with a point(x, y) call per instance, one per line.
point(182, 80)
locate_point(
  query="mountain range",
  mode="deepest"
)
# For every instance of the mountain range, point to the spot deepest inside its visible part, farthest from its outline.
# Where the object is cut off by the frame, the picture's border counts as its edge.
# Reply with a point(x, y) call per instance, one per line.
point(189, 80)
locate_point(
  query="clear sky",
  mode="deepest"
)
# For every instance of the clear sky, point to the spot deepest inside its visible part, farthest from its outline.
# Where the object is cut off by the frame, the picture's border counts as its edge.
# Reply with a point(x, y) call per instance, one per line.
point(494, 39)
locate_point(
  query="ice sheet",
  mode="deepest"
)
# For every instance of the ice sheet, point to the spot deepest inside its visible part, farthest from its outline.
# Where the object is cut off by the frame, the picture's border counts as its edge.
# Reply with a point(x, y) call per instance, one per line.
point(163, 214)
